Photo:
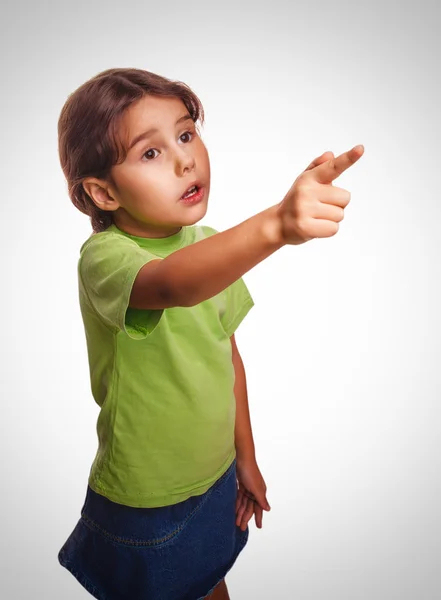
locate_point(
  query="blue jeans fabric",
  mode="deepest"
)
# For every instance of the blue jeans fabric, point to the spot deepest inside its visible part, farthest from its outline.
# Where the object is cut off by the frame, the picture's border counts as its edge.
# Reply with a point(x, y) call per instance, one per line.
point(176, 552)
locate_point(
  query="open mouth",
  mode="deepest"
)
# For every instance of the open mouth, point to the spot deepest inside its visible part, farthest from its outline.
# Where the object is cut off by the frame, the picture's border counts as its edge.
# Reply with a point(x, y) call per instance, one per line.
point(193, 195)
point(191, 191)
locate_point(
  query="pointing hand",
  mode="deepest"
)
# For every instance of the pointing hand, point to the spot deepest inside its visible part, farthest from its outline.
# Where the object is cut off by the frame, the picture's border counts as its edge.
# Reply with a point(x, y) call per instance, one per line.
point(313, 207)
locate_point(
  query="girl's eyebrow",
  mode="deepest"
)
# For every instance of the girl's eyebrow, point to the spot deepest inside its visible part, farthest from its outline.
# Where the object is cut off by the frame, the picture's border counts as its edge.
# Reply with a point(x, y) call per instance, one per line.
point(149, 132)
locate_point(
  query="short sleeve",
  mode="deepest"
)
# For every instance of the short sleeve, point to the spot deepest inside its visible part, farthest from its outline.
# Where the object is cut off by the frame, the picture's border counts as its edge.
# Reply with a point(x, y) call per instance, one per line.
point(238, 301)
point(107, 270)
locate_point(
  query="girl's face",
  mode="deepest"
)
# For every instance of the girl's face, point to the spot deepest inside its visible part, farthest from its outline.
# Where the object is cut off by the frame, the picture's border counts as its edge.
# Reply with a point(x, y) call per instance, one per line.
point(159, 168)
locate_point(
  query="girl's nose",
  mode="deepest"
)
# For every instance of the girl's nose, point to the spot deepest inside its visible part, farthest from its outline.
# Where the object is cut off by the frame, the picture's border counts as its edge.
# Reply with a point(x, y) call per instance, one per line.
point(184, 160)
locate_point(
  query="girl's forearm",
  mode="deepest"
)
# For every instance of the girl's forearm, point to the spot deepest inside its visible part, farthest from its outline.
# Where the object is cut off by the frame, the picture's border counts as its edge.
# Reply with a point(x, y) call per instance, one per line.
point(209, 266)
point(203, 269)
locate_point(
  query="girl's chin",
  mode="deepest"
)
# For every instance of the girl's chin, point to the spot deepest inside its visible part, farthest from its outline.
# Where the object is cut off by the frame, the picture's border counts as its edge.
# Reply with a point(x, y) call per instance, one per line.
point(194, 213)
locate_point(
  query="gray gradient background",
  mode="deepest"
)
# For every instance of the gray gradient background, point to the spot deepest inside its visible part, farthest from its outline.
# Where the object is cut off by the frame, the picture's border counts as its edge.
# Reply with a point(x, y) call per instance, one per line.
point(342, 350)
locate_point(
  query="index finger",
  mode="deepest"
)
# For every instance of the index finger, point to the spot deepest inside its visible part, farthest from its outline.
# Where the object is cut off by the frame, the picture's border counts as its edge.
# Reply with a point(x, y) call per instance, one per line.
point(331, 169)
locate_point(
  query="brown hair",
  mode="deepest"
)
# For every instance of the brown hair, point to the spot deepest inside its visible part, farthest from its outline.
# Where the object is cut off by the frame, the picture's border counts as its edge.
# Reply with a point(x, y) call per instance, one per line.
point(88, 144)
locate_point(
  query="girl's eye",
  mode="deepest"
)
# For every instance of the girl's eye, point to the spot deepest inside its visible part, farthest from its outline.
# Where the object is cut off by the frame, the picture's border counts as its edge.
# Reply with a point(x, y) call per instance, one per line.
point(147, 151)
point(190, 133)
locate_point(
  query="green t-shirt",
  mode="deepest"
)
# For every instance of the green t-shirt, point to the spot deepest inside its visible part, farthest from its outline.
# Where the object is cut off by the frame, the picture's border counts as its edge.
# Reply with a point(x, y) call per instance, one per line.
point(163, 378)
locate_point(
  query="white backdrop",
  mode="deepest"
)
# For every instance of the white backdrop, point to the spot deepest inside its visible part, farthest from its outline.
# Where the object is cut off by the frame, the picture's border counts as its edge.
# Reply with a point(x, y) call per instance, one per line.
point(342, 348)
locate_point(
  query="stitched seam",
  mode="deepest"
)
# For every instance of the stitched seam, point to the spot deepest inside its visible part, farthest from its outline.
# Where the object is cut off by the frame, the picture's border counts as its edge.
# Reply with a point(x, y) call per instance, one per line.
point(248, 303)
point(93, 525)
point(90, 587)
point(156, 542)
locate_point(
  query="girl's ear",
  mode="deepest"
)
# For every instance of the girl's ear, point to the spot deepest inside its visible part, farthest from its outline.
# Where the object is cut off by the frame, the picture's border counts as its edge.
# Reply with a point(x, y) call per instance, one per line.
point(100, 194)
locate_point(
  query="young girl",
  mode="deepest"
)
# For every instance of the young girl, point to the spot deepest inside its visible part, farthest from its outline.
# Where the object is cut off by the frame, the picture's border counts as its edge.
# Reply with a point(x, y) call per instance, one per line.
point(175, 480)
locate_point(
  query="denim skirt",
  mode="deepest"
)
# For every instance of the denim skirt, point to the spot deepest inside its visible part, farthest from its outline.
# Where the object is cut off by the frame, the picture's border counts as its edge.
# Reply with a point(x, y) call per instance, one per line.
point(176, 552)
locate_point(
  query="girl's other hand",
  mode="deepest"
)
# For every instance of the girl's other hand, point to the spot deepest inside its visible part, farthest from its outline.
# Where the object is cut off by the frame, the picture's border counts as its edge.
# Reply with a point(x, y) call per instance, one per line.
point(251, 493)
point(312, 208)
